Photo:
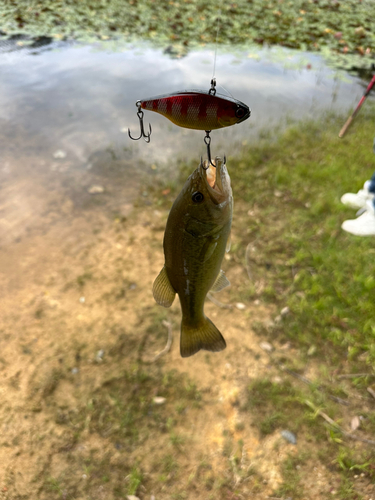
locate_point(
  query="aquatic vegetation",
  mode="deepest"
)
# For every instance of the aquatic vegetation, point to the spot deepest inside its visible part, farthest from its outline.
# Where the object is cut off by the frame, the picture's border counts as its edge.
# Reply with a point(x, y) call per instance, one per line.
point(344, 31)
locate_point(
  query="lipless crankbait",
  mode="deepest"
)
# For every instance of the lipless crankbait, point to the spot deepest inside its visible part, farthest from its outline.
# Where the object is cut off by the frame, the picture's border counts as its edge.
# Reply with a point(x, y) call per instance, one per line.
point(198, 110)
point(195, 109)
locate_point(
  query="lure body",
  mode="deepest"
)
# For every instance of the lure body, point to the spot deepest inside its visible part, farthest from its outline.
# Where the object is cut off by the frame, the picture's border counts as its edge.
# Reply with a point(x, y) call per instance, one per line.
point(198, 110)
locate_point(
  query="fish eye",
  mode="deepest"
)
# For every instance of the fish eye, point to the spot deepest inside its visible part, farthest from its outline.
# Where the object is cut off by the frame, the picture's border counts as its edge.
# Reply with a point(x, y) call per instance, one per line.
point(197, 197)
point(240, 112)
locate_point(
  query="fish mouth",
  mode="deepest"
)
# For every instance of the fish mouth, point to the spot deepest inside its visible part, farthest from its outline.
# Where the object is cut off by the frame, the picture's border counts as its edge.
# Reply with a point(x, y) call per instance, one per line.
point(217, 180)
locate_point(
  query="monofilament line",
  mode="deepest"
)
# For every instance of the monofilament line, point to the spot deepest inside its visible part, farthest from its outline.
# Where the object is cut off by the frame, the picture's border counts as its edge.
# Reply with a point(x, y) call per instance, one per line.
point(217, 35)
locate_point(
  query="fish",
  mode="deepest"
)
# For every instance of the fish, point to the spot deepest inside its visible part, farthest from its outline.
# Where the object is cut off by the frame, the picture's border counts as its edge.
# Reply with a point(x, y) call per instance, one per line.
point(196, 237)
point(198, 110)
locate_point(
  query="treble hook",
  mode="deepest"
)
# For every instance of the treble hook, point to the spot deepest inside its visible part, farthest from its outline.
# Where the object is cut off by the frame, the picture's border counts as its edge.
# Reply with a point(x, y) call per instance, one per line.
point(140, 116)
point(207, 141)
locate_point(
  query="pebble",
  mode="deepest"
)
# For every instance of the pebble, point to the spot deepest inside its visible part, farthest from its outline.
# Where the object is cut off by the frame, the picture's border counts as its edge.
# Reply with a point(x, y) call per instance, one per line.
point(82, 300)
point(95, 189)
point(75, 371)
point(59, 154)
point(284, 311)
point(240, 306)
point(312, 350)
point(99, 356)
point(289, 436)
point(158, 400)
point(266, 346)
point(132, 497)
point(355, 423)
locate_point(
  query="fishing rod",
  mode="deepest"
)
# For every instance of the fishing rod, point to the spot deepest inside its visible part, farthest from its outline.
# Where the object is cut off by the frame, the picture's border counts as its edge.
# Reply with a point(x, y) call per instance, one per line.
point(351, 117)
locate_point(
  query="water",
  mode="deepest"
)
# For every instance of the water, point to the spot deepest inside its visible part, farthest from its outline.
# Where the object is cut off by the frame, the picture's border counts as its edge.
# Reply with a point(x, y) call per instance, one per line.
point(65, 110)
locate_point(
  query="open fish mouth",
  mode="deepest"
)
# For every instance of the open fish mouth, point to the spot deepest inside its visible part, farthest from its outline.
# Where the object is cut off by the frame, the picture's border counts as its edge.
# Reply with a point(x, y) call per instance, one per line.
point(217, 179)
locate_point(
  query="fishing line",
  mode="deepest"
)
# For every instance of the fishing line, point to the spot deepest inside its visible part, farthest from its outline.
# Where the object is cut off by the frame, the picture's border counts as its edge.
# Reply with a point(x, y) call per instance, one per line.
point(217, 36)
point(227, 91)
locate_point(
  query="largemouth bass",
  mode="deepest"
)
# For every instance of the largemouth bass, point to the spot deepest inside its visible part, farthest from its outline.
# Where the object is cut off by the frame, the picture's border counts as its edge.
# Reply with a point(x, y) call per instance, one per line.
point(195, 240)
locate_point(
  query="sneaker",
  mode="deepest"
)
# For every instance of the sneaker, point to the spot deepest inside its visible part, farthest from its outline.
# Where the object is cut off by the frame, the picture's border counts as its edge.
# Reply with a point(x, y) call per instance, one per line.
point(364, 225)
point(358, 200)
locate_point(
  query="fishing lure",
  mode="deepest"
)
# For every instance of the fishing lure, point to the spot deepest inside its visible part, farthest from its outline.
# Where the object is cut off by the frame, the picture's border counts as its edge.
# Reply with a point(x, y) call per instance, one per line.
point(195, 109)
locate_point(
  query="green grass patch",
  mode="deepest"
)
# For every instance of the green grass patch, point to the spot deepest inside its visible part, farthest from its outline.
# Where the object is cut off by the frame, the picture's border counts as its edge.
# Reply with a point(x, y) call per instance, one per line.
point(287, 194)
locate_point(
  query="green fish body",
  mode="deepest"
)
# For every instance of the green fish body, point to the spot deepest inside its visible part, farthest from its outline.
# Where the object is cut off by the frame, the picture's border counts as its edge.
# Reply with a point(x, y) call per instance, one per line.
point(195, 240)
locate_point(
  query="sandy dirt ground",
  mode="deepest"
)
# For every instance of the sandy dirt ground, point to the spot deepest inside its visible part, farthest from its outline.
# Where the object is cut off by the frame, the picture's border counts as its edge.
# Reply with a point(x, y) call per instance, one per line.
point(77, 312)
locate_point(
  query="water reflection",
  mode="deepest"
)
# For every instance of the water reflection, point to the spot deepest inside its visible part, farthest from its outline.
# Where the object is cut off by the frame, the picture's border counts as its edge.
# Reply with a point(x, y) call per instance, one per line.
point(81, 100)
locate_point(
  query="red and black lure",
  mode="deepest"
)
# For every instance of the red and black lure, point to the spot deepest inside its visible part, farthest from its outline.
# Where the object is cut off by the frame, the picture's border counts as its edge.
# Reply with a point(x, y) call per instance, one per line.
point(195, 109)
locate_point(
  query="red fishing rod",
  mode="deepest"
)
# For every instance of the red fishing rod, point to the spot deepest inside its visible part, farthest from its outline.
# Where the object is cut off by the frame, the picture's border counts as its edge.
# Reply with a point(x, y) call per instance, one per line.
point(350, 119)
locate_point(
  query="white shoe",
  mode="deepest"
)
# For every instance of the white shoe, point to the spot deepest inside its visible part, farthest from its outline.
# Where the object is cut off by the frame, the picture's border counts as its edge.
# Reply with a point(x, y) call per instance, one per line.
point(364, 225)
point(358, 200)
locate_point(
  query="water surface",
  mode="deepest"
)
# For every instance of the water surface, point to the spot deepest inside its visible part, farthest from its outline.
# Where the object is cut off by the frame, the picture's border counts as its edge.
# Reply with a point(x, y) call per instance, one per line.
point(65, 110)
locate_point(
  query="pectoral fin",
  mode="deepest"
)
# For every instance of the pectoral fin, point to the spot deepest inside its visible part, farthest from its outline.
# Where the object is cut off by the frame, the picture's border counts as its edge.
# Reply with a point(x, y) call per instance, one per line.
point(220, 283)
point(229, 242)
point(162, 289)
point(208, 250)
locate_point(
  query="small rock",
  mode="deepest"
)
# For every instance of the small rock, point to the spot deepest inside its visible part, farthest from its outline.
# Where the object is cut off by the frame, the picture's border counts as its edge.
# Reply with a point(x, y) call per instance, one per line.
point(132, 497)
point(75, 370)
point(289, 436)
point(285, 346)
point(158, 400)
point(96, 189)
point(284, 311)
point(312, 350)
point(99, 356)
point(84, 476)
point(82, 300)
point(355, 423)
point(59, 154)
point(240, 306)
point(266, 346)
point(256, 302)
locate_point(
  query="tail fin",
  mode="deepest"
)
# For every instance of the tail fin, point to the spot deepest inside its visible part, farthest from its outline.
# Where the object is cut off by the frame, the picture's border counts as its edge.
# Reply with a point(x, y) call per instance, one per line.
point(204, 335)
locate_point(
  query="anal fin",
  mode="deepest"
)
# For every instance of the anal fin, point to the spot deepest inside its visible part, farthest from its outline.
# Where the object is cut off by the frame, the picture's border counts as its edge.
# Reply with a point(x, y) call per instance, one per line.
point(162, 289)
point(220, 283)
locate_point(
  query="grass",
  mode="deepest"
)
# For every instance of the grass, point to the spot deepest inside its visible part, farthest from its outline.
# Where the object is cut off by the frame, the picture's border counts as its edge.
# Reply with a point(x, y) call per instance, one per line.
point(302, 258)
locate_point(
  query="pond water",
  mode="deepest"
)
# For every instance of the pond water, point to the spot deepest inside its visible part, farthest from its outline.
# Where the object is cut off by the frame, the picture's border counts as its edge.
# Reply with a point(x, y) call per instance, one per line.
point(65, 110)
